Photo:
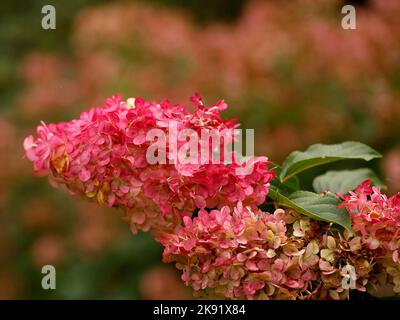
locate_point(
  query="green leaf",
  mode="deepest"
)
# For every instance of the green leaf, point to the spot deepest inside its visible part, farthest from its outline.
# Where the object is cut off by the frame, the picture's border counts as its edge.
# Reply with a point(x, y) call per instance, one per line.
point(322, 207)
point(345, 180)
point(290, 185)
point(319, 154)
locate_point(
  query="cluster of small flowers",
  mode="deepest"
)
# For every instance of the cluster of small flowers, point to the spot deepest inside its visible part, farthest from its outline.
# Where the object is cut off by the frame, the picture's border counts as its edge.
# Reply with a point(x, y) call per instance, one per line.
point(248, 254)
point(102, 155)
point(376, 218)
point(232, 254)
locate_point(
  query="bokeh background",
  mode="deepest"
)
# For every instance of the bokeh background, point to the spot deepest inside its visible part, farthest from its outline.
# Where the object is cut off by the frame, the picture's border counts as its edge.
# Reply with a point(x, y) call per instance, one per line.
point(286, 68)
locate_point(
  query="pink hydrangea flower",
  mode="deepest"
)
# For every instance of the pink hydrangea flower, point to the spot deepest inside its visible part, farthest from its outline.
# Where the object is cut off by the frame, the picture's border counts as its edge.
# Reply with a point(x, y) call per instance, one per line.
point(243, 253)
point(240, 253)
point(103, 156)
point(376, 218)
